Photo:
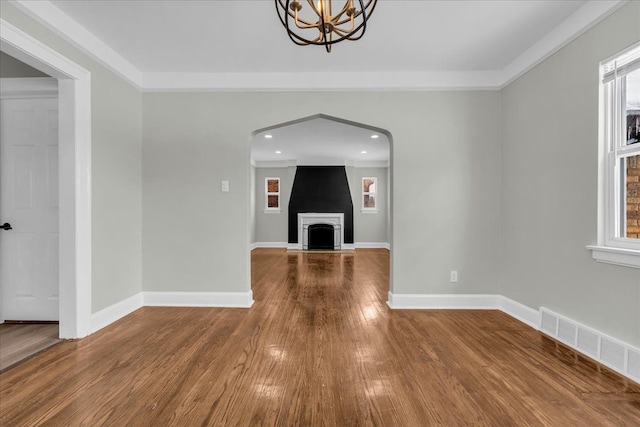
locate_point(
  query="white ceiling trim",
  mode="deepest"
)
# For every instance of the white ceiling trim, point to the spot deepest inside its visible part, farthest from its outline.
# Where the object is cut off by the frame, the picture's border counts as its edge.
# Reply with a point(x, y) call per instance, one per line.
point(63, 25)
point(319, 162)
point(53, 18)
point(588, 15)
point(274, 164)
point(339, 81)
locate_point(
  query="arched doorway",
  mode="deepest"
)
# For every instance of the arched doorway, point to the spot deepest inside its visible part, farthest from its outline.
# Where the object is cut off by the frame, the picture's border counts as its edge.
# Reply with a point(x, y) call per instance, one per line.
point(320, 145)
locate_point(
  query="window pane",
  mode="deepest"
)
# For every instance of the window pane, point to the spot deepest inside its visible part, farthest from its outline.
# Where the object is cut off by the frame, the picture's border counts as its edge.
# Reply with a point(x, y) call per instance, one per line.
point(273, 185)
point(369, 201)
point(633, 197)
point(633, 107)
point(272, 202)
point(368, 185)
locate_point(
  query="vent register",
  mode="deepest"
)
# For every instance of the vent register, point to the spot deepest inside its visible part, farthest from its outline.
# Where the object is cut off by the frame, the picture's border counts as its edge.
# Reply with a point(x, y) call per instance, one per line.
point(612, 353)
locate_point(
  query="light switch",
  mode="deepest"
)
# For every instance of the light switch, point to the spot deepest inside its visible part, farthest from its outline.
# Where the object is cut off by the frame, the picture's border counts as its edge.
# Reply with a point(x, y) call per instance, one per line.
point(225, 186)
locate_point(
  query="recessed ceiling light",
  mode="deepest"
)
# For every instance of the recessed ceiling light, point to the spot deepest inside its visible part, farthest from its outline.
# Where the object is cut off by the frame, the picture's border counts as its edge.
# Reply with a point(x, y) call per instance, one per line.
point(375, 136)
point(363, 152)
point(278, 152)
point(268, 136)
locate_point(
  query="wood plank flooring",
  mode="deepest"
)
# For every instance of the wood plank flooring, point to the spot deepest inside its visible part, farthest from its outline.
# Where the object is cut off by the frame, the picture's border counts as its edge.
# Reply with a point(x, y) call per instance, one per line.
point(19, 341)
point(319, 347)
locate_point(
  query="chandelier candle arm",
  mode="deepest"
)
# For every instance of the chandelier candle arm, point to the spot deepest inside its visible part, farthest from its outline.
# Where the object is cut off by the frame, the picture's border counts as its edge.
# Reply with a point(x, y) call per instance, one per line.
point(316, 24)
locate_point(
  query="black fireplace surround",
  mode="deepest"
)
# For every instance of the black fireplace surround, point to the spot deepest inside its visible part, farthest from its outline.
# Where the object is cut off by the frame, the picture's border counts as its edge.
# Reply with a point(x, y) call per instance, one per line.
point(321, 189)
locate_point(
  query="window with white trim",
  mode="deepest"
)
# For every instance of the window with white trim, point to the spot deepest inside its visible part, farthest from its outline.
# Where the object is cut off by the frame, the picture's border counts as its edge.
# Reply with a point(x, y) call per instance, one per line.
point(369, 190)
point(272, 195)
point(619, 216)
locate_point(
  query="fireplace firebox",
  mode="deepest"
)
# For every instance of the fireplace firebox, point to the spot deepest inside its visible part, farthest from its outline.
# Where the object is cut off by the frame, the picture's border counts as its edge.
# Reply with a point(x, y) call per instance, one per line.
point(321, 237)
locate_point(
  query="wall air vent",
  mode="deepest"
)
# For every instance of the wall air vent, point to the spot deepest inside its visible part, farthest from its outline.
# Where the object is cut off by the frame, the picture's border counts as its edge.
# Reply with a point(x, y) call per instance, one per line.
point(633, 363)
point(549, 323)
point(566, 331)
point(588, 342)
point(610, 352)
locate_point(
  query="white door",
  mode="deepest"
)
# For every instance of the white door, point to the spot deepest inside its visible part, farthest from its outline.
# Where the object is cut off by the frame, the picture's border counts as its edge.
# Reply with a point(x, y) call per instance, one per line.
point(29, 203)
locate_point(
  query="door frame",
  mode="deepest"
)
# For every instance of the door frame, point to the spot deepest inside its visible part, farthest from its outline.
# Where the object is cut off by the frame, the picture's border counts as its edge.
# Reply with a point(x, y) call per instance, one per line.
point(74, 145)
point(29, 89)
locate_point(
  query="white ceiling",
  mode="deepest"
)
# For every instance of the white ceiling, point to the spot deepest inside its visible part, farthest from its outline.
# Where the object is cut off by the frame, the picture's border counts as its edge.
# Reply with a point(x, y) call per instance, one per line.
point(320, 140)
point(246, 36)
point(240, 45)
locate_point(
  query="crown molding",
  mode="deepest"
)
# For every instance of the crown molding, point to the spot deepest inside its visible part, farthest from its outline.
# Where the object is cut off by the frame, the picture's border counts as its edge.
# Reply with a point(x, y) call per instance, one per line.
point(274, 163)
point(371, 164)
point(588, 15)
point(583, 19)
point(316, 162)
point(333, 81)
point(47, 14)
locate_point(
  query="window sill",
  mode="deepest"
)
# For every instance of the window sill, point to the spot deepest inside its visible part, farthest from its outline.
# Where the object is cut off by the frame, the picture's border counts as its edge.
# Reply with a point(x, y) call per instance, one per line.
point(617, 256)
point(272, 210)
point(369, 211)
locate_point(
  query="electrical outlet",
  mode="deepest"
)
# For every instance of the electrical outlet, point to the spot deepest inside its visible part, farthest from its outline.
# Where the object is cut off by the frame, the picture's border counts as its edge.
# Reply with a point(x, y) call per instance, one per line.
point(224, 186)
point(454, 276)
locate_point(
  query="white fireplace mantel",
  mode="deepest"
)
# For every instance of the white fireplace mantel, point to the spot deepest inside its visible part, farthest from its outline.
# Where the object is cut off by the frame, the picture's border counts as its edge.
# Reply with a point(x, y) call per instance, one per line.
point(310, 218)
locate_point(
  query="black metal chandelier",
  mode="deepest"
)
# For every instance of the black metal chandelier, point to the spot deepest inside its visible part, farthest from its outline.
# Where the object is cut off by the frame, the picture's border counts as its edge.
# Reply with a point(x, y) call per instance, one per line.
point(317, 24)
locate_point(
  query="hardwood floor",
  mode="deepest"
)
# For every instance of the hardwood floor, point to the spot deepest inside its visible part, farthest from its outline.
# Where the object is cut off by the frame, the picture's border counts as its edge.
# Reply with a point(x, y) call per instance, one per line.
point(319, 347)
point(19, 341)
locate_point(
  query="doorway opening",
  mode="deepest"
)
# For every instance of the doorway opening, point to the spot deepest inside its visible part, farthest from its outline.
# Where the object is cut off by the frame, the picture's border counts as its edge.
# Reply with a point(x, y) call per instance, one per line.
point(325, 149)
point(74, 175)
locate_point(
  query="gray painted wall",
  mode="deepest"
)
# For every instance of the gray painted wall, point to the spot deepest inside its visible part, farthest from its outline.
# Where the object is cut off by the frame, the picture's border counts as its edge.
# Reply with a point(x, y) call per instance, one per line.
point(273, 227)
point(11, 67)
point(116, 170)
point(389, 218)
point(498, 185)
point(549, 186)
point(446, 184)
point(369, 227)
point(252, 205)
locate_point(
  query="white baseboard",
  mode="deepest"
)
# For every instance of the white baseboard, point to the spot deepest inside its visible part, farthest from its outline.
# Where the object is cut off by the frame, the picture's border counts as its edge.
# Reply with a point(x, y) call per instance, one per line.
point(298, 247)
point(269, 245)
point(619, 356)
point(523, 313)
point(615, 354)
point(372, 245)
point(127, 306)
point(513, 308)
point(115, 312)
point(199, 299)
point(442, 301)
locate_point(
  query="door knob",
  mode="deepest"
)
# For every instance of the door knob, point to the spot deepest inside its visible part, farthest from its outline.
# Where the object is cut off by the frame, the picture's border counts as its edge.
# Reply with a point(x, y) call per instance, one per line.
point(6, 226)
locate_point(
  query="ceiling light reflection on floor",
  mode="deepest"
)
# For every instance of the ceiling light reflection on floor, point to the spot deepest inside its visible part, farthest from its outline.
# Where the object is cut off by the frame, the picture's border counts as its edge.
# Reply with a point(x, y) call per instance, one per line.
point(278, 353)
point(268, 391)
point(370, 312)
point(377, 388)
